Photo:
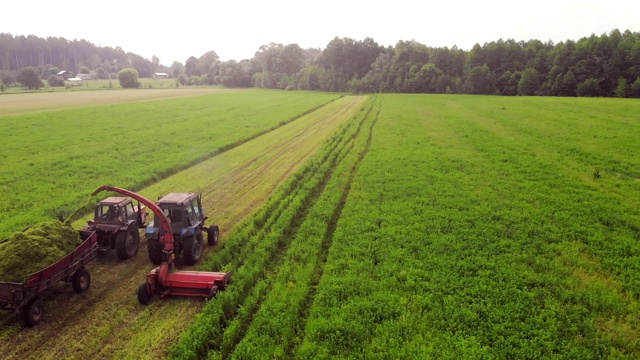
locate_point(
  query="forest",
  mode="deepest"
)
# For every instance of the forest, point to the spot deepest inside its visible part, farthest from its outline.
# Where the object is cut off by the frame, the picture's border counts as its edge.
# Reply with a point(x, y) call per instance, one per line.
point(607, 65)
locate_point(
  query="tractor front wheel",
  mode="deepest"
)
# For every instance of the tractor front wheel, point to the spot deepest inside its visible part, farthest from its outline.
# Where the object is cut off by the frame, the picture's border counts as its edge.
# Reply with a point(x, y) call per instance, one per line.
point(144, 296)
point(127, 243)
point(192, 249)
point(213, 235)
point(154, 248)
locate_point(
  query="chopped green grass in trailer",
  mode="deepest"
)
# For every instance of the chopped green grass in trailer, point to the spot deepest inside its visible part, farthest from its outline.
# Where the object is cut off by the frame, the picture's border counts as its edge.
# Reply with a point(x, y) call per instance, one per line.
point(34, 249)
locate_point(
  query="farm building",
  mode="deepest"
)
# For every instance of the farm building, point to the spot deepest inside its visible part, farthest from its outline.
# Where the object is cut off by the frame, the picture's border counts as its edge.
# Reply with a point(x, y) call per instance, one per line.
point(160, 75)
point(91, 75)
point(65, 74)
point(74, 81)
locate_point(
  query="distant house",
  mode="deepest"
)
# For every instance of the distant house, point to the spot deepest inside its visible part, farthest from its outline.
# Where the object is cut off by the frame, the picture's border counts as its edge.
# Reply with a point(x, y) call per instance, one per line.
point(160, 75)
point(74, 81)
point(88, 76)
point(65, 74)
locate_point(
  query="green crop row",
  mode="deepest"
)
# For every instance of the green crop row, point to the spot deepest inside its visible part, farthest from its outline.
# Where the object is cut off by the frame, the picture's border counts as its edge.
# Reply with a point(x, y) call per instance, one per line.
point(256, 250)
point(470, 235)
point(52, 161)
point(283, 312)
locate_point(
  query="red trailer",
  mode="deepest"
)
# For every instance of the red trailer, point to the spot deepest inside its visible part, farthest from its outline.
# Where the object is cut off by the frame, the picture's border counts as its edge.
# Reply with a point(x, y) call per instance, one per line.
point(25, 298)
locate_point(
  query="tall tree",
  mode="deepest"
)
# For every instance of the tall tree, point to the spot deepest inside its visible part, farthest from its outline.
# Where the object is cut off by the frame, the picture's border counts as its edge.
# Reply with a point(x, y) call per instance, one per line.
point(7, 77)
point(29, 77)
point(634, 89)
point(480, 80)
point(128, 78)
point(568, 85)
point(191, 67)
point(589, 87)
point(529, 83)
point(208, 65)
point(623, 89)
point(177, 68)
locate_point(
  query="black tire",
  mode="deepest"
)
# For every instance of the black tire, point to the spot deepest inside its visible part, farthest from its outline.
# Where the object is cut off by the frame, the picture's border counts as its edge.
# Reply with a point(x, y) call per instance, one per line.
point(192, 249)
point(81, 280)
point(213, 235)
point(33, 313)
point(127, 243)
point(144, 297)
point(154, 248)
point(213, 292)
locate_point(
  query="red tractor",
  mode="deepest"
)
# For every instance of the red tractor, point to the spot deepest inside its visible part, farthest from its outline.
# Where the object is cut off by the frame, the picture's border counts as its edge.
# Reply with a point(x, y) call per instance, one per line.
point(160, 281)
point(116, 222)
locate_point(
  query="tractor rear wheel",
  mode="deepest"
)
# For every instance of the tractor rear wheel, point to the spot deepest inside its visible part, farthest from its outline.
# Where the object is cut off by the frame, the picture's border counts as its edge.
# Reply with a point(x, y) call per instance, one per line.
point(144, 297)
point(80, 280)
point(154, 248)
point(33, 312)
point(127, 243)
point(213, 234)
point(192, 249)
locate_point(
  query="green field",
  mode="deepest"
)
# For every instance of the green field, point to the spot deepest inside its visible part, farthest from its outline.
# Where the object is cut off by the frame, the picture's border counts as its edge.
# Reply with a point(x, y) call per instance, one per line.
point(487, 228)
point(107, 321)
point(469, 227)
point(378, 227)
point(52, 161)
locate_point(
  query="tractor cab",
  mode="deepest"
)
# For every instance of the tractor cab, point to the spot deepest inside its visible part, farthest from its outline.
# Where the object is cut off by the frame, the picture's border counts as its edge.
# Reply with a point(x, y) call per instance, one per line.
point(114, 210)
point(184, 211)
point(186, 217)
point(116, 221)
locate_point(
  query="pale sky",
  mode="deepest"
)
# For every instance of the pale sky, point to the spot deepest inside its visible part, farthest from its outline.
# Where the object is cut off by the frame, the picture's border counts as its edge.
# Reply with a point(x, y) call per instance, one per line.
point(175, 30)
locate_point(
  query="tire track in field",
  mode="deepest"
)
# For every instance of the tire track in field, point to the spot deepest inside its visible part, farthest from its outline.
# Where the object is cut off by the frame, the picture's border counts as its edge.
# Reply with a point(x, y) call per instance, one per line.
point(271, 273)
point(107, 322)
point(261, 167)
point(297, 198)
point(328, 240)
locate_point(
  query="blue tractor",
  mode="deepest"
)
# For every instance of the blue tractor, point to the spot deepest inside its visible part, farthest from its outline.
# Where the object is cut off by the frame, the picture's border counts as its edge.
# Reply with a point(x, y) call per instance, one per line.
point(187, 220)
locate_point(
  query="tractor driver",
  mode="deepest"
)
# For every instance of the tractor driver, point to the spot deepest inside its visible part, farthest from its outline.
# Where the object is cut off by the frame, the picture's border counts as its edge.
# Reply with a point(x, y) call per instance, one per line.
point(111, 213)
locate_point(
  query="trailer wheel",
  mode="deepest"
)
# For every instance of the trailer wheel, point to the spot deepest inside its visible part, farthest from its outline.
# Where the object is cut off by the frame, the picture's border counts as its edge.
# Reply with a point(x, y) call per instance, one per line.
point(127, 243)
point(81, 280)
point(144, 297)
point(192, 249)
point(213, 292)
point(33, 312)
point(213, 235)
point(154, 248)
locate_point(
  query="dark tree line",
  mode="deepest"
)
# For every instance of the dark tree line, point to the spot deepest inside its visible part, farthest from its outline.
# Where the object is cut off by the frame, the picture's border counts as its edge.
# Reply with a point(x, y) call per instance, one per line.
point(605, 65)
point(52, 53)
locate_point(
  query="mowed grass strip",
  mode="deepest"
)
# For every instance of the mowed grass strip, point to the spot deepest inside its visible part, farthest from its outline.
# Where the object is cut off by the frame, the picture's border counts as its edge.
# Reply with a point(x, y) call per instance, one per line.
point(464, 237)
point(52, 161)
point(283, 312)
point(107, 322)
point(256, 250)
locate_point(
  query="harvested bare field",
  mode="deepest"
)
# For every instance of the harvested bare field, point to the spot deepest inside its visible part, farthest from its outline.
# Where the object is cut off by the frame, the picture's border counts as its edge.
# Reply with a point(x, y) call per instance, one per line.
point(13, 104)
